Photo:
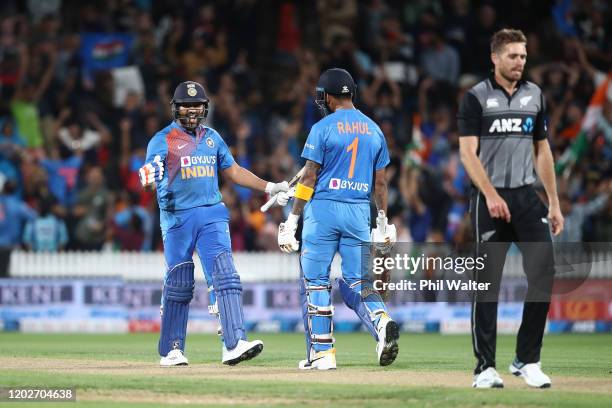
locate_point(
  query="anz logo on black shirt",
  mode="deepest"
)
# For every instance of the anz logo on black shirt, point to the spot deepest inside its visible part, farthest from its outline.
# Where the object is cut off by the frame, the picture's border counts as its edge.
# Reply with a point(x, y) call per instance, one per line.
point(512, 125)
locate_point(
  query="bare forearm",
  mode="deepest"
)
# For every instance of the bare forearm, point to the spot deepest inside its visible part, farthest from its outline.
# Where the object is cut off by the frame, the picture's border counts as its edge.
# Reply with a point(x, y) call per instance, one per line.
point(380, 198)
point(546, 172)
point(380, 190)
point(308, 179)
point(245, 178)
point(477, 173)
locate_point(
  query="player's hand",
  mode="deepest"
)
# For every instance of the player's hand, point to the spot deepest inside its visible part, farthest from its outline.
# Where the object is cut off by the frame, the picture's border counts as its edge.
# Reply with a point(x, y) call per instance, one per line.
point(384, 236)
point(151, 172)
point(283, 197)
point(556, 220)
point(286, 235)
point(498, 207)
point(275, 188)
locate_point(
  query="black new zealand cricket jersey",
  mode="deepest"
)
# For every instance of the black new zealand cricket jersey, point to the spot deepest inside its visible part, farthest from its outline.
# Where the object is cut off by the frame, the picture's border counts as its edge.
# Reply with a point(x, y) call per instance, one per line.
point(507, 127)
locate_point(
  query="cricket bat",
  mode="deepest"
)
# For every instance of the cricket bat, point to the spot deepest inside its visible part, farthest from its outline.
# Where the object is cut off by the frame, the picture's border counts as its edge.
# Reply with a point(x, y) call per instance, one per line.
point(292, 183)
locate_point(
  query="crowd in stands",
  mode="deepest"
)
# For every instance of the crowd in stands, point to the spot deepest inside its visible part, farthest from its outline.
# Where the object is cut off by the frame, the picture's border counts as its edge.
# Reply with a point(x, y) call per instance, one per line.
point(84, 86)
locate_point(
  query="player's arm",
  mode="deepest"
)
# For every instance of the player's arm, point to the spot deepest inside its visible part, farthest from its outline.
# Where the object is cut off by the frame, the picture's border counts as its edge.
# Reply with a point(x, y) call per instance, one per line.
point(153, 170)
point(305, 187)
point(470, 113)
point(303, 192)
point(380, 190)
point(313, 152)
point(544, 165)
point(246, 178)
point(384, 236)
point(468, 146)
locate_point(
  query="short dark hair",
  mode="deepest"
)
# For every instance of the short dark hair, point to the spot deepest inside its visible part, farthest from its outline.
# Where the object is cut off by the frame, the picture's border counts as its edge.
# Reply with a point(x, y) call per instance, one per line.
point(506, 36)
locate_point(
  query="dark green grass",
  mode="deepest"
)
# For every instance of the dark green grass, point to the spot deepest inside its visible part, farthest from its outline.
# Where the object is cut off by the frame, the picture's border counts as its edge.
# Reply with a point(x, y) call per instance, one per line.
point(582, 356)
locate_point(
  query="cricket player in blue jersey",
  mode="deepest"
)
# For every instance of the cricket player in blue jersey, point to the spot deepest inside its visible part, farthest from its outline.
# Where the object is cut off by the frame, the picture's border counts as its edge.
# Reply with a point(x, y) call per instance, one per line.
point(344, 152)
point(183, 162)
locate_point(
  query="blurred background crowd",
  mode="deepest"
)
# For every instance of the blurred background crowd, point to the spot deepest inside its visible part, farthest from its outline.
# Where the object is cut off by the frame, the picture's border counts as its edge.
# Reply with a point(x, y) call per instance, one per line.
point(84, 85)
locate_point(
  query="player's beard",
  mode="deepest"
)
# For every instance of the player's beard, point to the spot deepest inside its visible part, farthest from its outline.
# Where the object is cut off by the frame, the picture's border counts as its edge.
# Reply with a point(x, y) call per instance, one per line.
point(511, 74)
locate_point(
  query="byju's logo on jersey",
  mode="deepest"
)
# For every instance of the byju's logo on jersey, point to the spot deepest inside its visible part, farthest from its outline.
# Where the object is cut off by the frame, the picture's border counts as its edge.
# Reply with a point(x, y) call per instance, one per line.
point(511, 125)
point(339, 184)
point(188, 161)
point(334, 184)
point(197, 166)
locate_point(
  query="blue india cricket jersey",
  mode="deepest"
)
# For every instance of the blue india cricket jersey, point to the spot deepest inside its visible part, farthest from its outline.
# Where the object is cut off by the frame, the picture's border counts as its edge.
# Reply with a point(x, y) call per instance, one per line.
point(191, 177)
point(349, 146)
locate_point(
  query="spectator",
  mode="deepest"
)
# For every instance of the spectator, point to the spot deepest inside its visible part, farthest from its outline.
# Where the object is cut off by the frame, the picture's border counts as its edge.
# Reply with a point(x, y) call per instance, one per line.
point(133, 226)
point(14, 213)
point(411, 60)
point(91, 212)
point(46, 232)
point(439, 61)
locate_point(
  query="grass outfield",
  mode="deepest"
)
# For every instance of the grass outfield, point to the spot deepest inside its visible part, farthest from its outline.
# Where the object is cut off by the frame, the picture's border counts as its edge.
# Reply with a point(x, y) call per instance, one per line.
point(431, 370)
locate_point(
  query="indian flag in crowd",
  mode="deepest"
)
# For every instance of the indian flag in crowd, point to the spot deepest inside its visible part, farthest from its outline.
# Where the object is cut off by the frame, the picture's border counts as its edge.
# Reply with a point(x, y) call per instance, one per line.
point(105, 51)
point(582, 141)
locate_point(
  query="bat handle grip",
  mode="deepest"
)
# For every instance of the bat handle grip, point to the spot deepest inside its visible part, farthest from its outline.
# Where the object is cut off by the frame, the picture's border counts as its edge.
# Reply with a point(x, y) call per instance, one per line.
point(268, 204)
point(382, 220)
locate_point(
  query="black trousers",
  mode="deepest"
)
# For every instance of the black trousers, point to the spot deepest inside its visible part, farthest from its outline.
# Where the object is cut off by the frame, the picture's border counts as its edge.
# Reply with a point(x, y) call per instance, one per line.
point(529, 229)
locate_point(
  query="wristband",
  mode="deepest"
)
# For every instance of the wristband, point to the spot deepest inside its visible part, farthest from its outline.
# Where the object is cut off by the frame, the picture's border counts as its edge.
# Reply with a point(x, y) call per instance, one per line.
point(303, 192)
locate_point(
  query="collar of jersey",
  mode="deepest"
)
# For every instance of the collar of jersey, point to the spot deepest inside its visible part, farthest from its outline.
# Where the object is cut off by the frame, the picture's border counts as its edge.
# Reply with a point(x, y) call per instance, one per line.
point(184, 132)
point(495, 85)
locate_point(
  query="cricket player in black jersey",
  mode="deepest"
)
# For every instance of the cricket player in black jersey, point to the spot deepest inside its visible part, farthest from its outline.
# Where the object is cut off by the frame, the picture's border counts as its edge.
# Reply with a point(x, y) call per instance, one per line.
point(503, 145)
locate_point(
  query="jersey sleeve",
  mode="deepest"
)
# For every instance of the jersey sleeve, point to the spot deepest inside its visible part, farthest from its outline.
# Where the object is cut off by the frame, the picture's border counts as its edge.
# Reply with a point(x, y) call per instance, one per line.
point(225, 158)
point(382, 159)
point(469, 115)
point(315, 145)
point(157, 146)
point(540, 130)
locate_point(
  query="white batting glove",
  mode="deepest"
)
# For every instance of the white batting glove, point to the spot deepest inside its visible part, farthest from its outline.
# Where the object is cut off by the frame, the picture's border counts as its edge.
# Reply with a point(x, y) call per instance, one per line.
point(384, 236)
point(151, 172)
point(275, 188)
point(283, 197)
point(286, 234)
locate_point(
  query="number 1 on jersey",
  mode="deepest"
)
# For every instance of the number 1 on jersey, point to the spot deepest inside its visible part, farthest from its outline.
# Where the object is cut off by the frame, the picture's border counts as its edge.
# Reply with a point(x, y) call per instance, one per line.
point(353, 146)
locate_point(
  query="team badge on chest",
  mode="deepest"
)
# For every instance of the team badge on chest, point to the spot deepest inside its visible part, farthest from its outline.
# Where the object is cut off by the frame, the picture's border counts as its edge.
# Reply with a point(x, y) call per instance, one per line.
point(210, 143)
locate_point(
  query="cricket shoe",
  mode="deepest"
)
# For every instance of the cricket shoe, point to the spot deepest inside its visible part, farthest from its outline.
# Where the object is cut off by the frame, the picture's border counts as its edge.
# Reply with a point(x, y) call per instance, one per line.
point(388, 334)
point(244, 350)
point(321, 360)
point(488, 379)
point(531, 373)
point(174, 358)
